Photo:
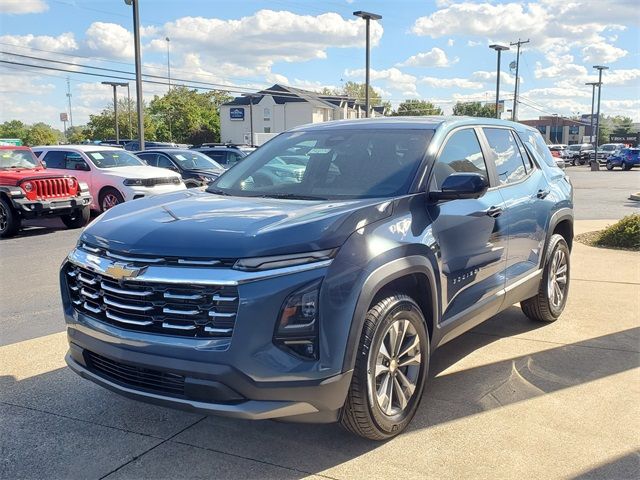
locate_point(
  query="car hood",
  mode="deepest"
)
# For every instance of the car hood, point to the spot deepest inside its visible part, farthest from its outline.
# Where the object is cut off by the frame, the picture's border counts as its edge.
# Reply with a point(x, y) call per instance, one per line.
point(199, 224)
point(142, 171)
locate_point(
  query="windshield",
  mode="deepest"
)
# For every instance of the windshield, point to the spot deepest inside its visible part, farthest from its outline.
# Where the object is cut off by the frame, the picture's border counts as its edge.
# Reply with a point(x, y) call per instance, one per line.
point(195, 161)
point(329, 165)
point(17, 159)
point(114, 158)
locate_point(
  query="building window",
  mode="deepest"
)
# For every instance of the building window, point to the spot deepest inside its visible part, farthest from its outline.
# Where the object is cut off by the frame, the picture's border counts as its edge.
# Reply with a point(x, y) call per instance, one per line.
point(556, 134)
point(267, 129)
point(267, 115)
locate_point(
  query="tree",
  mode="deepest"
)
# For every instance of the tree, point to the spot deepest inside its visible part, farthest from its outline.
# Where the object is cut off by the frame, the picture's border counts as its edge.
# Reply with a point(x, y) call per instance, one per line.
point(622, 125)
point(474, 109)
point(14, 129)
point(76, 134)
point(102, 126)
point(185, 116)
point(604, 130)
point(413, 107)
point(42, 134)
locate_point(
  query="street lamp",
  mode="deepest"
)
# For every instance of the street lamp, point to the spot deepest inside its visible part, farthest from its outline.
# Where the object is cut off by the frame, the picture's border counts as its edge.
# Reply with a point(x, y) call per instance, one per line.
point(251, 96)
point(367, 16)
point(136, 39)
point(593, 96)
point(499, 49)
point(169, 77)
point(600, 68)
point(115, 104)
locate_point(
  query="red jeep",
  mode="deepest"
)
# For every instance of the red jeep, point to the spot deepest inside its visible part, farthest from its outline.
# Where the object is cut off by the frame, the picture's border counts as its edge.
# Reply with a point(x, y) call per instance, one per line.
point(28, 191)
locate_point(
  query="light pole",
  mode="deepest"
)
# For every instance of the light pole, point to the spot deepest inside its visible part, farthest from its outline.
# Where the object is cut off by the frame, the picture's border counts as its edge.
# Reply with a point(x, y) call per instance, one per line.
point(514, 111)
point(115, 104)
point(593, 96)
point(136, 39)
point(367, 16)
point(129, 111)
point(250, 95)
point(169, 77)
point(595, 165)
point(499, 49)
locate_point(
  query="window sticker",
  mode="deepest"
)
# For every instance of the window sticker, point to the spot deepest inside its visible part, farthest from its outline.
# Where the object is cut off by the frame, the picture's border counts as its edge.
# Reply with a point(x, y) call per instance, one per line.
point(97, 156)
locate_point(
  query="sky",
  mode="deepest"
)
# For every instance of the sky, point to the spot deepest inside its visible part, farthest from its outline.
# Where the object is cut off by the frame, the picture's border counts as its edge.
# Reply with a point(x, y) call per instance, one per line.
point(432, 50)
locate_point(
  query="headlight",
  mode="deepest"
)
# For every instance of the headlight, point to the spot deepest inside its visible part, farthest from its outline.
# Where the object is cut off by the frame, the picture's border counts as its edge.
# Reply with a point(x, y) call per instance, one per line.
point(70, 182)
point(27, 186)
point(132, 182)
point(297, 328)
point(282, 261)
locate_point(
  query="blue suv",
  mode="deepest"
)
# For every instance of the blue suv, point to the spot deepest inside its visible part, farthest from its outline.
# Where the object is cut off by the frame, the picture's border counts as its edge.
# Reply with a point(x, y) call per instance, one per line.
point(320, 297)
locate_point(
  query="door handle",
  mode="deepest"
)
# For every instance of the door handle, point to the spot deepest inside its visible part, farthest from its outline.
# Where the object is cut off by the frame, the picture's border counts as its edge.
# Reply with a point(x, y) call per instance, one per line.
point(542, 193)
point(494, 212)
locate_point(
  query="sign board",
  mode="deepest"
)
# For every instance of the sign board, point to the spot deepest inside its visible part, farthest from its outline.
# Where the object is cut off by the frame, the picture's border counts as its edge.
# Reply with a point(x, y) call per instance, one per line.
point(11, 141)
point(625, 138)
point(64, 117)
point(574, 129)
point(236, 113)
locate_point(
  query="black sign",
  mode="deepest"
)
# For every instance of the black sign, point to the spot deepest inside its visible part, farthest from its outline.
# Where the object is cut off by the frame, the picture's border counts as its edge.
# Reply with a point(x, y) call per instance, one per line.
point(236, 113)
point(625, 138)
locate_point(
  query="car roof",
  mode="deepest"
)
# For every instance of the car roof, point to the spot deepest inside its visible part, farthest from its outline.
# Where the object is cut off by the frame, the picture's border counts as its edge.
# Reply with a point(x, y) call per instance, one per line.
point(166, 150)
point(81, 148)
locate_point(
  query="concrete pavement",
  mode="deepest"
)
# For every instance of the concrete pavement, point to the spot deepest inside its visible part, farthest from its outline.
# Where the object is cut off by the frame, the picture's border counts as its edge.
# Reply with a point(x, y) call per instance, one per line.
point(510, 399)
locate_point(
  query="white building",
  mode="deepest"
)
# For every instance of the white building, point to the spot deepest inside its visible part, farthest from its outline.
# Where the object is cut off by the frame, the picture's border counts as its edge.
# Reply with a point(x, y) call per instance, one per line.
point(269, 112)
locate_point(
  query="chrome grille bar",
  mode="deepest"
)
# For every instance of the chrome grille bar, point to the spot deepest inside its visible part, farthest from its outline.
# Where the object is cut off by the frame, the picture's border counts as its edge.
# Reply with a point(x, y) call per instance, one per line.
point(128, 321)
point(125, 306)
point(219, 298)
point(137, 293)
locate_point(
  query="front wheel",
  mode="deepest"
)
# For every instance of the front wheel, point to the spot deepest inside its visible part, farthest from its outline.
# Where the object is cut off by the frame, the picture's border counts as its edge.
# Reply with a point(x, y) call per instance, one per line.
point(626, 166)
point(9, 220)
point(109, 198)
point(390, 372)
point(77, 219)
point(551, 299)
point(609, 165)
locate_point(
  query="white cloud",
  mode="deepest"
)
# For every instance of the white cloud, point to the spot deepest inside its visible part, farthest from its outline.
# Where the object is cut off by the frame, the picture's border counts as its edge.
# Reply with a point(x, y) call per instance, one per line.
point(560, 70)
point(436, 57)
point(393, 78)
point(505, 78)
point(450, 83)
point(20, 7)
point(109, 40)
point(450, 42)
point(472, 44)
point(602, 53)
point(313, 86)
point(64, 42)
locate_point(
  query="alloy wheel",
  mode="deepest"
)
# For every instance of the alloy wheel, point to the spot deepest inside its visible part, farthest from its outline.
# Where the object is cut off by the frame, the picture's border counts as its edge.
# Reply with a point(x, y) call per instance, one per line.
point(557, 282)
point(4, 221)
point(397, 367)
point(109, 201)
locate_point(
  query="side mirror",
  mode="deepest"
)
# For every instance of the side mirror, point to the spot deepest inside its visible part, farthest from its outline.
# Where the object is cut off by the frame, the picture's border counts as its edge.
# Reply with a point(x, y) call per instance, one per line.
point(43, 163)
point(461, 185)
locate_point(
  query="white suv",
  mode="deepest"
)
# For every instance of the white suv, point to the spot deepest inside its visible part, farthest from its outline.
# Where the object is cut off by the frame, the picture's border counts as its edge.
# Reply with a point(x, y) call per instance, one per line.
point(113, 174)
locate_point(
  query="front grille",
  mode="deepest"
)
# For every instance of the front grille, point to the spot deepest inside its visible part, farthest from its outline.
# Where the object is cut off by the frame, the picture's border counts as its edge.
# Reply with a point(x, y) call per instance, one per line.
point(51, 188)
point(182, 310)
point(152, 182)
point(139, 377)
point(144, 260)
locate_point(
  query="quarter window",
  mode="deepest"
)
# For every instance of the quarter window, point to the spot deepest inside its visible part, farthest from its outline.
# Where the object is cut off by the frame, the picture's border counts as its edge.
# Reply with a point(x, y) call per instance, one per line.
point(509, 163)
point(462, 153)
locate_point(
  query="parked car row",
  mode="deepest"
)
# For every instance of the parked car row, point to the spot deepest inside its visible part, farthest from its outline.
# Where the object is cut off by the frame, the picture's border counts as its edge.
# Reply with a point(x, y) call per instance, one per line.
point(611, 154)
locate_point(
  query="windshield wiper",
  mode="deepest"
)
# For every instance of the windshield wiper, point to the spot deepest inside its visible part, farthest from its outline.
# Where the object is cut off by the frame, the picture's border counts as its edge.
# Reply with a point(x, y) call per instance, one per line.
point(292, 196)
point(217, 191)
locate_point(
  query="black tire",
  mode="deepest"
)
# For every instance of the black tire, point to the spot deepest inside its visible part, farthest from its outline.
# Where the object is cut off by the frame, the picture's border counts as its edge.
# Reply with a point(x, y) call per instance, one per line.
point(361, 413)
point(107, 195)
point(626, 166)
point(609, 165)
point(9, 221)
point(189, 184)
point(573, 161)
point(542, 308)
point(77, 219)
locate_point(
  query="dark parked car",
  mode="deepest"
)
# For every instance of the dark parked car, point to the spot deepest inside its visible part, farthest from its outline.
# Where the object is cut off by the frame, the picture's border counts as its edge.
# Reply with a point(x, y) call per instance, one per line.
point(321, 300)
point(578, 154)
point(196, 169)
point(135, 145)
point(625, 158)
point(227, 156)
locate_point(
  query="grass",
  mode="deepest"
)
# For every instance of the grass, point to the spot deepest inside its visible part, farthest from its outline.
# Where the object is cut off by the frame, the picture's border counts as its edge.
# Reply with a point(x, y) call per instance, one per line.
point(624, 234)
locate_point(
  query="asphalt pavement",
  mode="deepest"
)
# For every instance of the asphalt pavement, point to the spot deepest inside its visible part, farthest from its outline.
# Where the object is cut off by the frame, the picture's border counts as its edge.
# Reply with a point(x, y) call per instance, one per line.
point(510, 399)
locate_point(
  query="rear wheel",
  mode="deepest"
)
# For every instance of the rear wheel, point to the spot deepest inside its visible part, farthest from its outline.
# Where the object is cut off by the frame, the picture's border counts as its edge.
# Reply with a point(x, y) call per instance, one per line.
point(551, 299)
point(77, 219)
point(9, 221)
point(109, 198)
point(626, 166)
point(390, 372)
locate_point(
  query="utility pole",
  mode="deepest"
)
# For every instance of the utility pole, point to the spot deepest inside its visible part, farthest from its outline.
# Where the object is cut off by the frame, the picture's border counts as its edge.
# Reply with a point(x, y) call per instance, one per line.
point(514, 110)
point(115, 104)
point(169, 90)
point(499, 49)
point(138, 62)
point(129, 111)
point(69, 99)
point(595, 165)
point(593, 99)
point(367, 16)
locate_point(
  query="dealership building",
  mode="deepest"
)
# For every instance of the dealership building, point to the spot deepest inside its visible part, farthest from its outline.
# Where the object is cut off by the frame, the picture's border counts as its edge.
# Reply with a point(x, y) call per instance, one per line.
point(266, 113)
point(562, 130)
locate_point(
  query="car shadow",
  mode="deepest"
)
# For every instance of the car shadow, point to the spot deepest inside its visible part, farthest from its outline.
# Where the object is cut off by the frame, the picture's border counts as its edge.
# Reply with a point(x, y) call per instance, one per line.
point(449, 396)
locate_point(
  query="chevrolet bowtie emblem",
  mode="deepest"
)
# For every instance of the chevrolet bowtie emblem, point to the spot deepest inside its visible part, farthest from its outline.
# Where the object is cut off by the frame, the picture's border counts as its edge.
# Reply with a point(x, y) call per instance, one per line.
point(122, 271)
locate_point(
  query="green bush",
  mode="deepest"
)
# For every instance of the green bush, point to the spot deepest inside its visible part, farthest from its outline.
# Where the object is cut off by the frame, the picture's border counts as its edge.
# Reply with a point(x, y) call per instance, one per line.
point(624, 234)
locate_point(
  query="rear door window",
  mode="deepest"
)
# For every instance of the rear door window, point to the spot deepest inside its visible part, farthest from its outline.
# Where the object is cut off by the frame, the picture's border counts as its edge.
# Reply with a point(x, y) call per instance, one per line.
point(149, 158)
point(510, 166)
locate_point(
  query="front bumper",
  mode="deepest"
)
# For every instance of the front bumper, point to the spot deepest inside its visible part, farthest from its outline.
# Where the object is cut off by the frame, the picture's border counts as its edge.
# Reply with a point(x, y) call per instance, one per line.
point(40, 208)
